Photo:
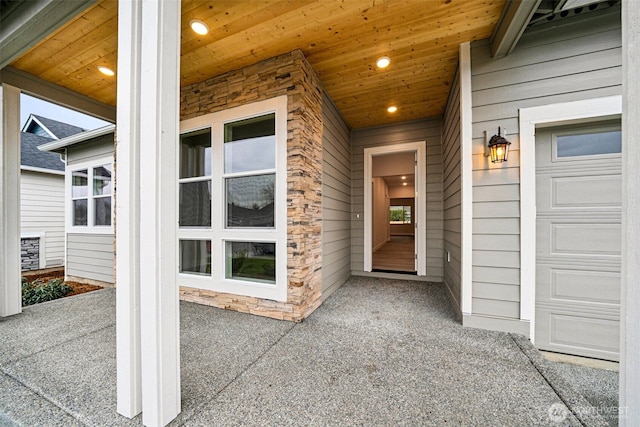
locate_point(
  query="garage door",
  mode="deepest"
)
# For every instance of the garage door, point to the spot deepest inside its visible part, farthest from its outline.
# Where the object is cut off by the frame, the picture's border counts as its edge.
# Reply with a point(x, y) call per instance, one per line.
point(578, 240)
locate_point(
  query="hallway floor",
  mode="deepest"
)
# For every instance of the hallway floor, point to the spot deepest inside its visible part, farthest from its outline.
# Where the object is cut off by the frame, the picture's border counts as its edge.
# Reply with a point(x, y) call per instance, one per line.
point(377, 352)
point(398, 255)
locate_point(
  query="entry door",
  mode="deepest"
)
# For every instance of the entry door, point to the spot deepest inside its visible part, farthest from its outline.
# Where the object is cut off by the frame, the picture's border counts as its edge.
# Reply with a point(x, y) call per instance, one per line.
point(578, 240)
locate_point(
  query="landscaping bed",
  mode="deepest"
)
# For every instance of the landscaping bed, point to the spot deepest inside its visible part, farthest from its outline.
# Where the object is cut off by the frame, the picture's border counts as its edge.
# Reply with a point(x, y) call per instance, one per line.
point(55, 280)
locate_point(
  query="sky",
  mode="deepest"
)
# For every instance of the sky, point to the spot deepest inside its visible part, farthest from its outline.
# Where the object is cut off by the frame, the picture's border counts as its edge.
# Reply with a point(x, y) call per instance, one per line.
point(31, 105)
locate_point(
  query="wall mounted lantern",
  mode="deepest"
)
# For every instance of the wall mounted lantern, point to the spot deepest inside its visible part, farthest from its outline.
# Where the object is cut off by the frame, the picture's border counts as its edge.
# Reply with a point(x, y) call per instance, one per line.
point(497, 147)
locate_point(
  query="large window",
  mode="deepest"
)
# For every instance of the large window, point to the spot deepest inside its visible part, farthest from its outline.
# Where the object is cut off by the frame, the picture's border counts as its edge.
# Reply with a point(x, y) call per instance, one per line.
point(91, 193)
point(232, 207)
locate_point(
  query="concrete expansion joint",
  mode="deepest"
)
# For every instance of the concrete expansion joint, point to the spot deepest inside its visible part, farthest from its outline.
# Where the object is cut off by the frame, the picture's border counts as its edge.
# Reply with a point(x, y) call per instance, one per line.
point(573, 400)
point(34, 390)
point(44, 350)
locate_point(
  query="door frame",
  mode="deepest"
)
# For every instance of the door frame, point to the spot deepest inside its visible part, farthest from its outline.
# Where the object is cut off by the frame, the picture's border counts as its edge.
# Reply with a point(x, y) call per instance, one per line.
point(420, 148)
point(552, 115)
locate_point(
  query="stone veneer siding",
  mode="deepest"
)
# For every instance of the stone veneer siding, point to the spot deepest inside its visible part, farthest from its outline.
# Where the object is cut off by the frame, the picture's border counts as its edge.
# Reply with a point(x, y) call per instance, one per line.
point(30, 253)
point(289, 74)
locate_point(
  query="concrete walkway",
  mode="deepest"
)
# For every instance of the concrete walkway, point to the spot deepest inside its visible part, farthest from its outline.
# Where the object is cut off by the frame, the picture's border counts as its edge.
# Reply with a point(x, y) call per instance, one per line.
point(378, 352)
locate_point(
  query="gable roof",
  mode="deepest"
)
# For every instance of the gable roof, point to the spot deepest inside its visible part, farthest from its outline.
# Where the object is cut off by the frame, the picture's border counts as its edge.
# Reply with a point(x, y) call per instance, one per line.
point(60, 145)
point(30, 156)
point(53, 128)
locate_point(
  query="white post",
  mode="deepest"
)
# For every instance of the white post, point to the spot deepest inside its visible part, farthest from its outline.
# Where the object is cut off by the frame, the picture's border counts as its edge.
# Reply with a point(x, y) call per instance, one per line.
point(10, 289)
point(127, 218)
point(630, 298)
point(146, 210)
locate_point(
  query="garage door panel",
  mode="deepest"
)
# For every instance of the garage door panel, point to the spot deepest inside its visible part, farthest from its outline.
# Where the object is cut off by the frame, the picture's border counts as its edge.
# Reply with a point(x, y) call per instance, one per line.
point(578, 192)
point(586, 191)
point(578, 334)
point(578, 239)
point(586, 239)
point(584, 287)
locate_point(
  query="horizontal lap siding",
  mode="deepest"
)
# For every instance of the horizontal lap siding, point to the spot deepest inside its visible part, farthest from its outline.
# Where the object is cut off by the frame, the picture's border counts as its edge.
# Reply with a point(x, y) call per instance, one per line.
point(421, 130)
point(101, 147)
point(90, 256)
point(336, 199)
point(42, 211)
point(578, 58)
point(452, 193)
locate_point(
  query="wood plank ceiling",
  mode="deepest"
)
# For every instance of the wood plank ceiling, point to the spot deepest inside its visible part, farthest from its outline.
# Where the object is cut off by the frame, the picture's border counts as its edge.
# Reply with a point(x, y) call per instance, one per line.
point(341, 40)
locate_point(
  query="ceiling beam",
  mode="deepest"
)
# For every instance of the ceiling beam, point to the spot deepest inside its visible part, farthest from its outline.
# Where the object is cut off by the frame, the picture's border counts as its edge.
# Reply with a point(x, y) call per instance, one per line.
point(512, 23)
point(57, 94)
point(31, 21)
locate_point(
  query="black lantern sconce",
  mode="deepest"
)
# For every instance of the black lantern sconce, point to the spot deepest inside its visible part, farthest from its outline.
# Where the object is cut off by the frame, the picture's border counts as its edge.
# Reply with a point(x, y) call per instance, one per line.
point(497, 147)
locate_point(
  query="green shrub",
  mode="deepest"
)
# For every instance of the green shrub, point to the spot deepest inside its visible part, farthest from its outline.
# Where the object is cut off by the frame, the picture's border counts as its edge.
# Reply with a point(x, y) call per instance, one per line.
point(38, 291)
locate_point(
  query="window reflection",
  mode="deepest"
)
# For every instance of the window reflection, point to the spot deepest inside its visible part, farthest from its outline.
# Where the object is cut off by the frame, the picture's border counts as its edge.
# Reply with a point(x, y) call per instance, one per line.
point(250, 201)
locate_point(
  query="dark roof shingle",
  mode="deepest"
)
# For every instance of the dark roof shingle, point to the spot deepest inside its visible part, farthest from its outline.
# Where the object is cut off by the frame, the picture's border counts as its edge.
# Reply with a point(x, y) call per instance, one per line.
point(31, 156)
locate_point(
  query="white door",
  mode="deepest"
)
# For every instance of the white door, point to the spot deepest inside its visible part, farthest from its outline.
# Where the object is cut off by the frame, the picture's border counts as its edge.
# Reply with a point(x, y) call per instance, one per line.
point(578, 240)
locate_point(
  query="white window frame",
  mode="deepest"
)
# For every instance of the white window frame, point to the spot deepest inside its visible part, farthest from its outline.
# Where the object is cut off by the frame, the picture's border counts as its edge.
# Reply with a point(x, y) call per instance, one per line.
point(89, 165)
point(218, 233)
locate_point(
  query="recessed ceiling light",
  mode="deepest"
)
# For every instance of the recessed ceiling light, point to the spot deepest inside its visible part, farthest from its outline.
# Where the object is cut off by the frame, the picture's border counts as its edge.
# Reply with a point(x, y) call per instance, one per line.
point(404, 183)
point(383, 62)
point(404, 177)
point(199, 27)
point(392, 109)
point(106, 71)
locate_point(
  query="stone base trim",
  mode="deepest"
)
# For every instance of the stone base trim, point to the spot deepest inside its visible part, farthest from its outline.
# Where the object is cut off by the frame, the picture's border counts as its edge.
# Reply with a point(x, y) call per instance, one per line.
point(245, 304)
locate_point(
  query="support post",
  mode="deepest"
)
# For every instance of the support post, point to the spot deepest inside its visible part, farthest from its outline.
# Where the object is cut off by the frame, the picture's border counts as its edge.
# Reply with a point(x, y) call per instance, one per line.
point(629, 413)
point(127, 217)
point(146, 210)
point(10, 289)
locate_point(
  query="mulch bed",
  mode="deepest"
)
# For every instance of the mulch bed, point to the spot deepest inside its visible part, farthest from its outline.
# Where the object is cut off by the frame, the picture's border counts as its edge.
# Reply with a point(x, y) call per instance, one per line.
point(78, 288)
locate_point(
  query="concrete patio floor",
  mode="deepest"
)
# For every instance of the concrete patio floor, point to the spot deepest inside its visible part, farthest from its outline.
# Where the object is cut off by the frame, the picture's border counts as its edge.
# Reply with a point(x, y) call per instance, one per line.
point(377, 352)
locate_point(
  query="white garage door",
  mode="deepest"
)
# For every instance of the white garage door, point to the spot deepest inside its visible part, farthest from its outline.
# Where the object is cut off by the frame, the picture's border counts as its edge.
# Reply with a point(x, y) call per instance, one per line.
point(578, 240)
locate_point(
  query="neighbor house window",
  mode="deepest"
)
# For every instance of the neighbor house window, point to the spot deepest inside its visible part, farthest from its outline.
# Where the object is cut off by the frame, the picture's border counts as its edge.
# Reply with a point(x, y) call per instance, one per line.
point(91, 197)
point(400, 215)
point(232, 203)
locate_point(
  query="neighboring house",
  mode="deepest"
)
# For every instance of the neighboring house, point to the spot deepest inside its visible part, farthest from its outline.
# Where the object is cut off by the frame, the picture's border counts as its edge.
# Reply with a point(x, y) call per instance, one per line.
point(42, 194)
point(88, 208)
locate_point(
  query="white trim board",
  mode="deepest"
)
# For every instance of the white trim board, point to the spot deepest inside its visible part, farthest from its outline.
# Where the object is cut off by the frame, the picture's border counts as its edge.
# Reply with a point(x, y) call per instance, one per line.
point(420, 147)
point(466, 176)
point(530, 119)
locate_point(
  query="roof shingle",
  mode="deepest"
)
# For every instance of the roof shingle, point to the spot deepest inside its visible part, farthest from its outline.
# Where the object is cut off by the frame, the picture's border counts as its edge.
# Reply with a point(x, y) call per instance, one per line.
point(31, 156)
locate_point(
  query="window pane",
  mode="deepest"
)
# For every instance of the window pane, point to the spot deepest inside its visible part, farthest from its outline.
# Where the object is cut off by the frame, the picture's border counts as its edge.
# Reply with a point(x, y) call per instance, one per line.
point(195, 256)
point(250, 201)
point(195, 154)
point(250, 154)
point(79, 183)
point(195, 204)
point(251, 261)
point(102, 211)
point(250, 144)
point(102, 180)
point(400, 215)
point(589, 144)
point(80, 212)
